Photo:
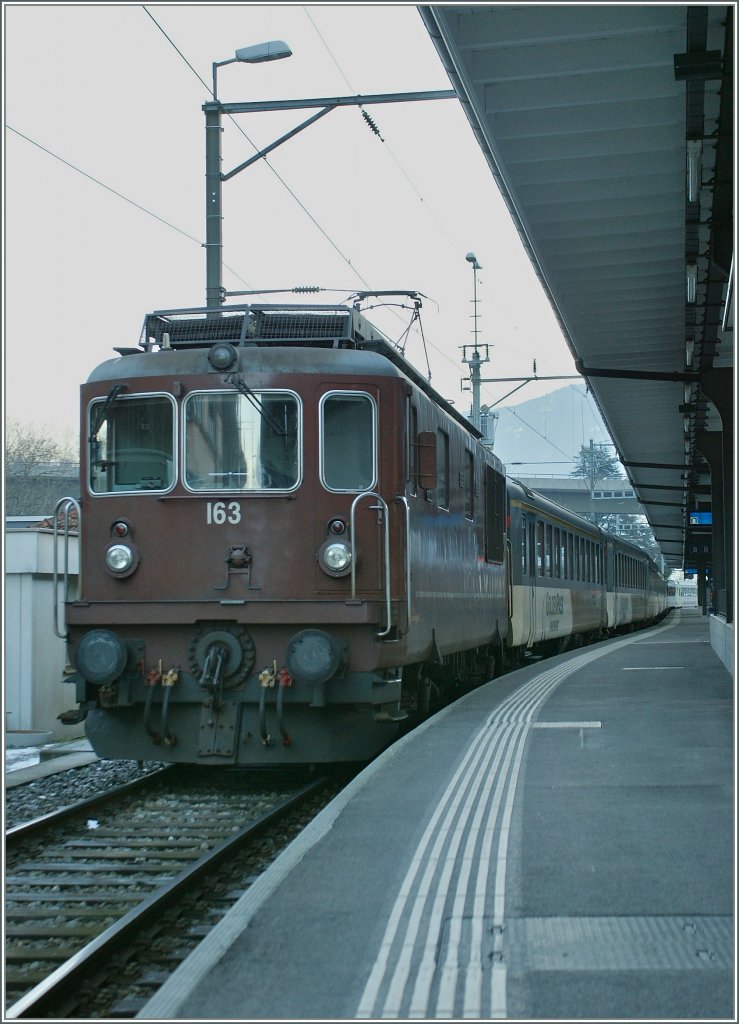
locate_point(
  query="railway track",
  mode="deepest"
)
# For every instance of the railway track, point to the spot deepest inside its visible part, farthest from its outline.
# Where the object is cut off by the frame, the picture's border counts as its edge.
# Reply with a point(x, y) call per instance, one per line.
point(80, 889)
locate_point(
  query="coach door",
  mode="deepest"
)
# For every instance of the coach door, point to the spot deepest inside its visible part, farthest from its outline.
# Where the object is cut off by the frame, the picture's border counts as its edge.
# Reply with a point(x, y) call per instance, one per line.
point(536, 568)
point(528, 580)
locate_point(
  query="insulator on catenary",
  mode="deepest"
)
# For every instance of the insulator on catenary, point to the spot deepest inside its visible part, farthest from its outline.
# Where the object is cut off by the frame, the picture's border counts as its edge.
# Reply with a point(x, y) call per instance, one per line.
point(303, 289)
point(368, 118)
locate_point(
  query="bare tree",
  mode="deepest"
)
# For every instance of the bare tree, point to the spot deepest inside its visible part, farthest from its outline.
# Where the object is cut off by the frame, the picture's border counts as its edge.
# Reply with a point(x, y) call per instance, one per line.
point(39, 469)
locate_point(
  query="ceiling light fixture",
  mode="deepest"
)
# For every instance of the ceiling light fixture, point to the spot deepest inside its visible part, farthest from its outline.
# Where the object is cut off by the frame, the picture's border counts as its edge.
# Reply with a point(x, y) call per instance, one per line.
point(691, 281)
point(695, 151)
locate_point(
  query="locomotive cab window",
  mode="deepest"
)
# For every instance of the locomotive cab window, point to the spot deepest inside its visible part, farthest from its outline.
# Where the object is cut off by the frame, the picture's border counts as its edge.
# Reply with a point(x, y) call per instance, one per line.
point(131, 444)
point(348, 446)
point(239, 443)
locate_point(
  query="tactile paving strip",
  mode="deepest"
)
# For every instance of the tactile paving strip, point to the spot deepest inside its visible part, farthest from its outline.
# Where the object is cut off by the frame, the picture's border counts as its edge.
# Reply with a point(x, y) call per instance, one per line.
point(618, 943)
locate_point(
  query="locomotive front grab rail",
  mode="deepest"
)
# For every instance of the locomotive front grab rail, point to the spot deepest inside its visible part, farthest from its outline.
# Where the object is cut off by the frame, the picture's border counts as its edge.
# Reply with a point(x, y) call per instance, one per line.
point(383, 507)
point(64, 506)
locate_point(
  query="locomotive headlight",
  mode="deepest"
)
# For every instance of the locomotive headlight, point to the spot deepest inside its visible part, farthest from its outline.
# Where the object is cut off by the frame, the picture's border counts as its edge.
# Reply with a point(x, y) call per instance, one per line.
point(119, 558)
point(335, 557)
point(222, 356)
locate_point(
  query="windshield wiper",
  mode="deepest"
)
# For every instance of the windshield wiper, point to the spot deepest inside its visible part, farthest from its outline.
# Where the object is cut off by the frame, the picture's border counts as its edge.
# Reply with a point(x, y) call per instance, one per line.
point(238, 382)
point(95, 426)
point(101, 412)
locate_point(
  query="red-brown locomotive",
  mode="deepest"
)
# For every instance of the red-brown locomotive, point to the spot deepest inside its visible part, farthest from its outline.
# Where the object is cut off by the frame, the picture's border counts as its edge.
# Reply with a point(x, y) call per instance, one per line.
point(289, 543)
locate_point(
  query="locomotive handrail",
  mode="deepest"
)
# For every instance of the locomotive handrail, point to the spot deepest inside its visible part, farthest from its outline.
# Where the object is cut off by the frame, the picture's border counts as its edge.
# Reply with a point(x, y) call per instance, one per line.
point(404, 502)
point(383, 505)
point(65, 505)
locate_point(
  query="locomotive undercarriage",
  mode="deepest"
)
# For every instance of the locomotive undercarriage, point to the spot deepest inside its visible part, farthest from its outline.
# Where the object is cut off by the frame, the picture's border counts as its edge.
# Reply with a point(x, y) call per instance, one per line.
point(208, 694)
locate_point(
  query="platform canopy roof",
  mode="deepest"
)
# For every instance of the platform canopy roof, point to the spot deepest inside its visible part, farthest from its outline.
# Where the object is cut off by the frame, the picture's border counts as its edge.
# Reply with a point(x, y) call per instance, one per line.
point(593, 118)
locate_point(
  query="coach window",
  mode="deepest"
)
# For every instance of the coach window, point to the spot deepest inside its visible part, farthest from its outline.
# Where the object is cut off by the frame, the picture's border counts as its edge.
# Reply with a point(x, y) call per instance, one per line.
point(469, 485)
point(442, 468)
point(548, 550)
point(557, 571)
point(539, 548)
point(131, 443)
point(348, 447)
point(235, 442)
point(495, 515)
point(524, 567)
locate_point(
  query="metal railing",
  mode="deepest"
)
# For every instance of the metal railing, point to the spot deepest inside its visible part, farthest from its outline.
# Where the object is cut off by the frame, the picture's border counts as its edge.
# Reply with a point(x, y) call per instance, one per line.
point(404, 502)
point(63, 507)
point(383, 508)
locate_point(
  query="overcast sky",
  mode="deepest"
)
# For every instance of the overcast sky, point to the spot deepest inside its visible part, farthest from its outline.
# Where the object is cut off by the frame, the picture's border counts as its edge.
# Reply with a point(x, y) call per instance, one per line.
point(101, 87)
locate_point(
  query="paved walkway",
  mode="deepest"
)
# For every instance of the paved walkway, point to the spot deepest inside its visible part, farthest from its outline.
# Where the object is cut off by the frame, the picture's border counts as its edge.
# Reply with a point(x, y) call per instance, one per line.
point(557, 844)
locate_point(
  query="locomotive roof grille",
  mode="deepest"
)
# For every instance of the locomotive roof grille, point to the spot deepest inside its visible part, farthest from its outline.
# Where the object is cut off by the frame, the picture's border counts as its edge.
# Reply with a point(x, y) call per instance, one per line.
point(324, 327)
point(267, 325)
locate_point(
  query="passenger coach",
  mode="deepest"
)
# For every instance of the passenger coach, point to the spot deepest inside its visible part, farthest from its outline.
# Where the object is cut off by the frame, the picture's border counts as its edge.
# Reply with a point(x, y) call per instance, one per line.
point(571, 581)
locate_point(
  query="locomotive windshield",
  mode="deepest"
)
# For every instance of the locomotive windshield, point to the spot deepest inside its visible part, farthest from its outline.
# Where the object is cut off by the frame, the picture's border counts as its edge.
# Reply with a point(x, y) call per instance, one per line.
point(242, 442)
point(131, 444)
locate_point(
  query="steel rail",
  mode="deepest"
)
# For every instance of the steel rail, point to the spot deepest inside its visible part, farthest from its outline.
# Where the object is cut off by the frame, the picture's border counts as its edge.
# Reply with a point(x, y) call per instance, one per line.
point(27, 828)
point(40, 999)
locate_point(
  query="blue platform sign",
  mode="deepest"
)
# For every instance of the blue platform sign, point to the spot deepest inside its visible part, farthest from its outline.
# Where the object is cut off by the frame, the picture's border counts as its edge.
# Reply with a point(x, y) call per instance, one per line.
point(701, 518)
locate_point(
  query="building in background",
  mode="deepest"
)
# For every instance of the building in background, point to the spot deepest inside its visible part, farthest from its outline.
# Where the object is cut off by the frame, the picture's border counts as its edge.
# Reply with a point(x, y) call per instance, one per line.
point(35, 657)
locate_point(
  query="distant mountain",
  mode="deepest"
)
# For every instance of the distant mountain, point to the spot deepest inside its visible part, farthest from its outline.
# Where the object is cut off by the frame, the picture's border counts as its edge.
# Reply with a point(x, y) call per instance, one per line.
point(546, 433)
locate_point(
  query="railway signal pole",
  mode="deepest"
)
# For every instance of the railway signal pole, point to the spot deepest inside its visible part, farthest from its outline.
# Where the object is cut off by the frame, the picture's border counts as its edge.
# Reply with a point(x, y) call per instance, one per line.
point(475, 361)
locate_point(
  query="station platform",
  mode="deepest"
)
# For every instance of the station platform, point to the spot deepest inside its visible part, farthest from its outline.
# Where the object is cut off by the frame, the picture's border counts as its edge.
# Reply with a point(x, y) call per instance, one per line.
point(556, 844)
point(26, 764)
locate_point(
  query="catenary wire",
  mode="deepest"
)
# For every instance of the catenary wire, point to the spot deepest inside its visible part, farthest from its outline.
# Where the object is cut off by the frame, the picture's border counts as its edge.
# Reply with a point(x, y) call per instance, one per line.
point(113, 191)
point(102, 184)
point(453, 243)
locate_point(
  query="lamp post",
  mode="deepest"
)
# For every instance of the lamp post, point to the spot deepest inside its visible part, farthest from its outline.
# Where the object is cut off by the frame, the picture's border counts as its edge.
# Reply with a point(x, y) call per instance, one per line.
point(276, 49)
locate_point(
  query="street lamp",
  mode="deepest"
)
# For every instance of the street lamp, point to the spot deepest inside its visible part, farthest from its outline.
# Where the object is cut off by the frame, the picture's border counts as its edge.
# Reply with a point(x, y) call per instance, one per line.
point(275, 49)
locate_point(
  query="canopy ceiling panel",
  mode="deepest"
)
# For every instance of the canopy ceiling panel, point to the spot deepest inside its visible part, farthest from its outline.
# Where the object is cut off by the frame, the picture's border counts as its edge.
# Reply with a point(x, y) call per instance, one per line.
point(584, 113)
